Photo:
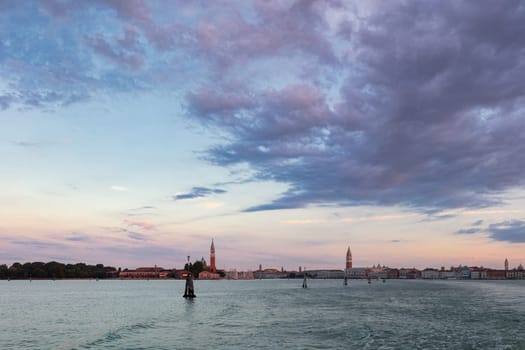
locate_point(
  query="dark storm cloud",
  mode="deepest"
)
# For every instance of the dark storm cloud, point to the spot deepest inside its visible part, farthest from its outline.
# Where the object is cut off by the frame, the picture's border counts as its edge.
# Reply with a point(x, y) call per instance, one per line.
point(430, 114)
point(508, 231)
point(198, 192)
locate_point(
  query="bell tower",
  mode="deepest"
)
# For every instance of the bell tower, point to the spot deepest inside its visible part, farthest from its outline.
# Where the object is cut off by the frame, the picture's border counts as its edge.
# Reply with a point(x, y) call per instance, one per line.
point(212, 257)
point(348, 258)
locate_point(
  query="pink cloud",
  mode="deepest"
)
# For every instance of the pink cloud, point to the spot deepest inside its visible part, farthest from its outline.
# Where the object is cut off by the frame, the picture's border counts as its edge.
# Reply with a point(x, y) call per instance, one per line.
point(130, 9)
point(142, 224)
point(129, 40)
point(121, 57)
point(55, 8)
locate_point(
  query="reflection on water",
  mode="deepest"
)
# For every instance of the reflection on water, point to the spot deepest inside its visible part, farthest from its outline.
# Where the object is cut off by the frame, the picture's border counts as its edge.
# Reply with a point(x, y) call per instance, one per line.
point(262, 314)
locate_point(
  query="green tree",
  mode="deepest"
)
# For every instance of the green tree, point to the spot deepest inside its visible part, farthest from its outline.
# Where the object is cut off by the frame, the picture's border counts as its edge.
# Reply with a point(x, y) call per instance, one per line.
point(197, 268)
point(16, 271)
point(28, 269)
point(55, 269)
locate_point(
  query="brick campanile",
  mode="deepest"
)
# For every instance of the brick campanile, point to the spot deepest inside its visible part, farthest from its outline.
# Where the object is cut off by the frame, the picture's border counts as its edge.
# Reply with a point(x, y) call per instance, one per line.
point(348, 258)
point(212, 257)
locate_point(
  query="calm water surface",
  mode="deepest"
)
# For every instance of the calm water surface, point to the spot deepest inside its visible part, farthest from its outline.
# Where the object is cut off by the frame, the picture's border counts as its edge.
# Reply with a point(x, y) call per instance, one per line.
point(262, 314)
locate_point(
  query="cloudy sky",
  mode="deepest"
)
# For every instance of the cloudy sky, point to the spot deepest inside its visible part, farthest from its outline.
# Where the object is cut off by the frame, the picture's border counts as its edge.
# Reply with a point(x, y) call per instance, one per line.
point(132, 132)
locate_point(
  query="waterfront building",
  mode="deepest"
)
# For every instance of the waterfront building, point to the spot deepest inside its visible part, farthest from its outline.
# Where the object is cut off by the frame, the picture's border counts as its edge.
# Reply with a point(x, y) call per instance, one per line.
point(325, 273)
point(232, 274)
point(181, 274)
point(208, 275)
point(475, 272)
point(489, 274)
point(506, 265)
point(145, 273)
point(210, 272)
point(376, 272)
point(431, 274)
point(392, 273)
point(245, 275)
point(465, 272)
point(357, 272)
point(409, 274)
point(269, 274)
point(447, 274)
point(516, 273)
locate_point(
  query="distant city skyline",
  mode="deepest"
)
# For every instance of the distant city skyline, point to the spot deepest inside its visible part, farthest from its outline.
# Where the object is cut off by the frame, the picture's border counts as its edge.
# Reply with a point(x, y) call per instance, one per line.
point(133, 132)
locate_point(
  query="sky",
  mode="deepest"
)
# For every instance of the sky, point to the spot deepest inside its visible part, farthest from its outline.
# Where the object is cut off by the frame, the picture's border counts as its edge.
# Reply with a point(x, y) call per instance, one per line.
point(133, 132)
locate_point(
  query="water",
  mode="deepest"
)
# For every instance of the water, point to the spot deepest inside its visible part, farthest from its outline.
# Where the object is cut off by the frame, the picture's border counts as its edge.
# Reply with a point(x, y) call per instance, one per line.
point(262, 314)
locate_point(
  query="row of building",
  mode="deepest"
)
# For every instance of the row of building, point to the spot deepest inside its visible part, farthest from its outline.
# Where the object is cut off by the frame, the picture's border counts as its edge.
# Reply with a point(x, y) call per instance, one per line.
point(208, 272)
point(375, 272)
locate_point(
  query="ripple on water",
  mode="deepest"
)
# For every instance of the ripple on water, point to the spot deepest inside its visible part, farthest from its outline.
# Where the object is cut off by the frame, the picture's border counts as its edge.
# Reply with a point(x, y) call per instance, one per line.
point(263, 315)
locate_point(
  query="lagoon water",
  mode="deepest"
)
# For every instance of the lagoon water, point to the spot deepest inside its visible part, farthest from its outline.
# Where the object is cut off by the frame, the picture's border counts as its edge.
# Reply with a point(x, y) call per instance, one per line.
point(262, 314)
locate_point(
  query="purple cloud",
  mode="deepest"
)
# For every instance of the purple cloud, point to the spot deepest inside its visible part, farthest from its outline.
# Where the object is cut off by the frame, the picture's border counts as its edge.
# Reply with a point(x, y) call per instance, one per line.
point(468, 231)
point(429, 115)
point(198, 192)
point(122, 56)
point(508, 231)
point(418, 104)
point(37, 244)
point(287, 28)
point(129, 9)
point(137, 236)
point(512, 231)
point(78, 237)
point(55, 8)
point(140, 224)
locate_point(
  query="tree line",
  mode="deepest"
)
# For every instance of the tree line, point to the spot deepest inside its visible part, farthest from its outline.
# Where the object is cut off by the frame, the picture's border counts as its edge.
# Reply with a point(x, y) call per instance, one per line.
point(197, 267)
point(56, 270)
